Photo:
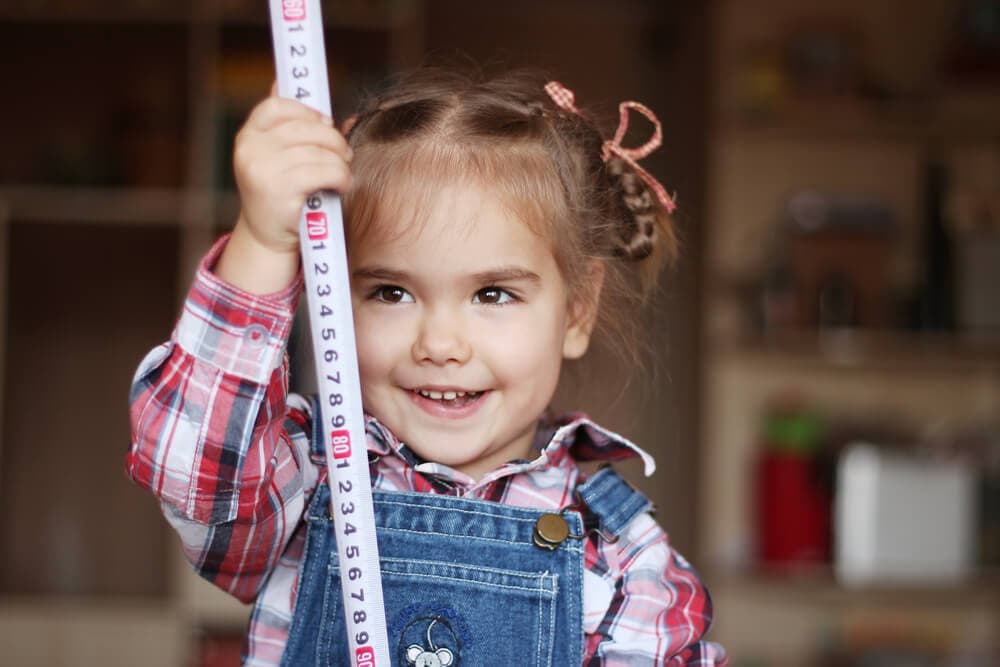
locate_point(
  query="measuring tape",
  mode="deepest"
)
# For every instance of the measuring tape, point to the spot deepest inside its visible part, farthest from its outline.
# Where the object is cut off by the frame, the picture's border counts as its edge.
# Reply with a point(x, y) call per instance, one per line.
point(300, 58)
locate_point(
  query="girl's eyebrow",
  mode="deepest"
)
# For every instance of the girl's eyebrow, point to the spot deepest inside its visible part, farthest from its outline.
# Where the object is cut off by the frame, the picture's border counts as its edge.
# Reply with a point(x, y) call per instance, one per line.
point(504, 274)
point(496, 275)
point(380, 273)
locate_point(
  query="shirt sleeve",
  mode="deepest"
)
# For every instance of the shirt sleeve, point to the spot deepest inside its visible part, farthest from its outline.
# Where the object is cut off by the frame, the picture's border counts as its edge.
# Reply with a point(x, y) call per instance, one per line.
point(215, 436)
point(659, 610)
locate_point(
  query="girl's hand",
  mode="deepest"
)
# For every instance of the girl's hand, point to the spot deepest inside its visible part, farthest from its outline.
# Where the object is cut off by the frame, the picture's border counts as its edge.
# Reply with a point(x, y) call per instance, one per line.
point(284, 152)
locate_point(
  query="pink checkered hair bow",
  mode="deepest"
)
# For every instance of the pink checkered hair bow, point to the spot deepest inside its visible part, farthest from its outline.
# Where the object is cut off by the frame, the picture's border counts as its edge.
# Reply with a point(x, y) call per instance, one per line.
point(566, 100)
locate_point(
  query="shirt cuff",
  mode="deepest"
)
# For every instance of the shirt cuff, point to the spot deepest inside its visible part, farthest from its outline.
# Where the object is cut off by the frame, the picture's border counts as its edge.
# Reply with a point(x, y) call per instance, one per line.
point(241, 333)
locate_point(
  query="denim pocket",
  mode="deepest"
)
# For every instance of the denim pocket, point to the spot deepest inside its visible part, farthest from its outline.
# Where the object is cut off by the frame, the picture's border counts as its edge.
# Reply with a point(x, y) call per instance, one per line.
point(448, 614)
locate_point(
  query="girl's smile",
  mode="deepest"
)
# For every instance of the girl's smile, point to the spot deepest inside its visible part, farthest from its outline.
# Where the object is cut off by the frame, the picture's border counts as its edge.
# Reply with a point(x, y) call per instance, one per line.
point(449, 403)
point(462, 321)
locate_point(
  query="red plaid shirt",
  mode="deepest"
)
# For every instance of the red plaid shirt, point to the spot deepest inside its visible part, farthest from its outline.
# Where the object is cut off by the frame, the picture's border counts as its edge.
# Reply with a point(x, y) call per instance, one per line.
point(219, 440)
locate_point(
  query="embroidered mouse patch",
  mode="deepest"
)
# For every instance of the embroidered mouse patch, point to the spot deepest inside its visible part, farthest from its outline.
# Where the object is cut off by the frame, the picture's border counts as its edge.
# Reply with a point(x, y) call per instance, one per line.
point(429, 655)
point(430, 639)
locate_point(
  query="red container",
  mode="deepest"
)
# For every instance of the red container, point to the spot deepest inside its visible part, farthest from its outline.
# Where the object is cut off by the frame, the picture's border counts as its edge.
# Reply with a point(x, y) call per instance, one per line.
point(793, 510)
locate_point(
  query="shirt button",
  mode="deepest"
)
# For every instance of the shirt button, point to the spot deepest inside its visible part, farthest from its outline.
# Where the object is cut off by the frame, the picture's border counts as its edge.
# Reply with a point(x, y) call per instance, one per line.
point(256, 335)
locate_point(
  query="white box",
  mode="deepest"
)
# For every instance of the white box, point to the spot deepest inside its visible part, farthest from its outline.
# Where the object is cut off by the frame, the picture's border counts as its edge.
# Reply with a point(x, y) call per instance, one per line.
point(900, 520)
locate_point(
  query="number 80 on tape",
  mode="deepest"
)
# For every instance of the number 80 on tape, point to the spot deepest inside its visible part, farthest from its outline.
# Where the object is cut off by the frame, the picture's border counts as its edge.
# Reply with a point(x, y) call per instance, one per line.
point(341, 443)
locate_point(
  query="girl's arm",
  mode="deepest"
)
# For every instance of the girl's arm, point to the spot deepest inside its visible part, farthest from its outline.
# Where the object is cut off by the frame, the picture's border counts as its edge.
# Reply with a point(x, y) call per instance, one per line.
point(215, 436)
point(659, 610)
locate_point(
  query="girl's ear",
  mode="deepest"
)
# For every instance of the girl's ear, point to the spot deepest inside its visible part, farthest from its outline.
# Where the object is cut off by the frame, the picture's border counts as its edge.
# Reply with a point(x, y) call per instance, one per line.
point(583, 309)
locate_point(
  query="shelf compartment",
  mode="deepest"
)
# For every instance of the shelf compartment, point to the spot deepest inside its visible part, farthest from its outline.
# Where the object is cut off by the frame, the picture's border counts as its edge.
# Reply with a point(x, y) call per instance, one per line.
point(85, 302)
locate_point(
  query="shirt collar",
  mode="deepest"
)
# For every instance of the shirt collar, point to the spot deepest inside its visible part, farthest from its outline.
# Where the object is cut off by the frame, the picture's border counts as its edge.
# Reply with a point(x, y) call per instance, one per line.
point(571, 437)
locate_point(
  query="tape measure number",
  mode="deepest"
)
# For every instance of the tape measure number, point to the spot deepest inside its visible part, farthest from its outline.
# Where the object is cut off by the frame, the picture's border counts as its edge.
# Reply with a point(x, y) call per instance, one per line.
point(300, 59)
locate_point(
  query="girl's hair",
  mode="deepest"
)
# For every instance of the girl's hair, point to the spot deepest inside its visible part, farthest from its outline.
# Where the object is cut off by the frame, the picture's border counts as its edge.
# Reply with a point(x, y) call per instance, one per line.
point(438, 127)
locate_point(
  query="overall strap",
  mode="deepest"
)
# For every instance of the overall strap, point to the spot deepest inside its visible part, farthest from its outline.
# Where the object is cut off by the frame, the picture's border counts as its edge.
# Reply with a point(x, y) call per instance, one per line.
point(317, 449)
point(612, 501)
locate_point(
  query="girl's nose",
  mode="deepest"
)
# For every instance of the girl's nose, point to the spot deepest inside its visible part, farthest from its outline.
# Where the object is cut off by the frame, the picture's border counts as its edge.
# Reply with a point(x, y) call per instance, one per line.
point(441, 340)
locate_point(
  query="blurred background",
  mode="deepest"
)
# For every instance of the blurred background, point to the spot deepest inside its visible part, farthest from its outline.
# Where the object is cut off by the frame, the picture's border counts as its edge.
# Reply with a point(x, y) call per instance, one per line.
point(825, 406)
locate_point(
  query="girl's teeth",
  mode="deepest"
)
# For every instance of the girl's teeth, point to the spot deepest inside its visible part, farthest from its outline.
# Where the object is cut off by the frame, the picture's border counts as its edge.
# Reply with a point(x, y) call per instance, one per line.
point(444, 395)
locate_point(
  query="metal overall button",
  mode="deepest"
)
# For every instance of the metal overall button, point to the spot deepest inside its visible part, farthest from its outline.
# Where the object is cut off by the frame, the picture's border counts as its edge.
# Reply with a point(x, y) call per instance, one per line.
point(550, 531)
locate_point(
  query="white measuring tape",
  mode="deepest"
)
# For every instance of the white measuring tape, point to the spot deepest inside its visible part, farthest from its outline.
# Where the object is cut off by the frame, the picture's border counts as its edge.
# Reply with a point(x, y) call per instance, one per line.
point(300, 58)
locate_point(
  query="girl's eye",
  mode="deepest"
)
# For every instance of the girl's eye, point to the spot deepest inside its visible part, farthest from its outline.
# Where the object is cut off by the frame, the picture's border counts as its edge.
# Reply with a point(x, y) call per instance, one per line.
point(493, 296)
point(391, 294)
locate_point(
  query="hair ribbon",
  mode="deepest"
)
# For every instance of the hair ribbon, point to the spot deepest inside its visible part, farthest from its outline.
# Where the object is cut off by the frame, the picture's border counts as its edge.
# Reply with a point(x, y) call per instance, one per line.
point(564, 98)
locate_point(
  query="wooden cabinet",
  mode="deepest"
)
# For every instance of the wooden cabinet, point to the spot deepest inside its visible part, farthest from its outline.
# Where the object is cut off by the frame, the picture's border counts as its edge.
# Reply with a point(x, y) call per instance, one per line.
point(879, 102)
point(115, 181)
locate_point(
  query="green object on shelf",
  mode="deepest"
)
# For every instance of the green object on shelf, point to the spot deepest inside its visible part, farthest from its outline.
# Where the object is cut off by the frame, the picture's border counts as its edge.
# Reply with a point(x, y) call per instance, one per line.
point(794, 432)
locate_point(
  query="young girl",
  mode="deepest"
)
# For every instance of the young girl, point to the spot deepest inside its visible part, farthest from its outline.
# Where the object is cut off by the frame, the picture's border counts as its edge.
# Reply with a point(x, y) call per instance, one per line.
point(491, 231)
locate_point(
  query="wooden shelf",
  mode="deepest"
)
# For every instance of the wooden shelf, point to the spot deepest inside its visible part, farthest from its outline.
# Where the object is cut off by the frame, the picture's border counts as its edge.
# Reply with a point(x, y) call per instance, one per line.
point(819, 586)
point(53, 203)
point(953, 115)
point(77, 632)
point(869, 349)
point(147, 12)
point(358, 15)
point(874, 129)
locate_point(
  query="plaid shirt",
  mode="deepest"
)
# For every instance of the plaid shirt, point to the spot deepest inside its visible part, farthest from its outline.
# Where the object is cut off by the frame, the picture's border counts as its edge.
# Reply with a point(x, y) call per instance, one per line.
point(219, 440)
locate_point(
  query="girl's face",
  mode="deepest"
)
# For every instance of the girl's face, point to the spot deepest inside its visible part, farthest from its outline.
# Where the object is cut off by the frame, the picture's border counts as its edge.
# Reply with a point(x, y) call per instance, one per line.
point(462, 324)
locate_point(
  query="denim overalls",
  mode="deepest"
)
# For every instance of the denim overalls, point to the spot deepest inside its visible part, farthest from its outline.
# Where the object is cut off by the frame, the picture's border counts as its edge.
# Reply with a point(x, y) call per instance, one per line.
point(463, 579)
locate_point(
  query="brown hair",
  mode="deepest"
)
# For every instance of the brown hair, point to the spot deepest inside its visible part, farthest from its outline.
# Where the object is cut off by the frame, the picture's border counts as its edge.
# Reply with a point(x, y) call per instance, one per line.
point(437, 126)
